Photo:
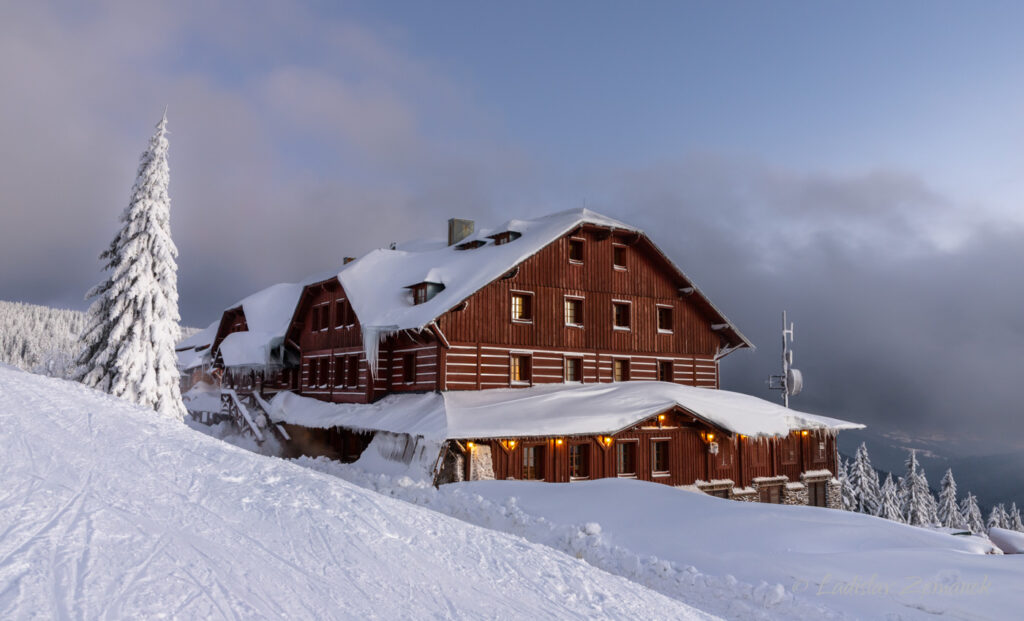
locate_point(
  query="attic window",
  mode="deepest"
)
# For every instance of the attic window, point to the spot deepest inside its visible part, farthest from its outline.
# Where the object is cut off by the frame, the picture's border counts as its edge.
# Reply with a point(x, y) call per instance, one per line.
point(505, 237)
point(576, 251)
point(476, 243)
point(619, 257)
point(425, 291)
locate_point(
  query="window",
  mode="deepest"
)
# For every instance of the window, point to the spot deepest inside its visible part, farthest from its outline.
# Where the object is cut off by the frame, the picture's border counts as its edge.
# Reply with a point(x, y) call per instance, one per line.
point(573, 312)
point(339, 371)
point(505, 237)
point(353, 371)
point(579, 461)
point(770, 494)
point(519, 369)
point(574, 369)
point(314, 325)
point(522, 307)
point(576, 251)
point(325, 372)
point(409, 368)
point(625, 459)
point(619, 257)
point(664, 319)
point(659, 456)
point(620, 315)
point(476, 243)
point(533, 463)
point(314, 366)
point(620, 370)
point(665, 371)
point(341, 313)
point(419, 294)
point(425, 291)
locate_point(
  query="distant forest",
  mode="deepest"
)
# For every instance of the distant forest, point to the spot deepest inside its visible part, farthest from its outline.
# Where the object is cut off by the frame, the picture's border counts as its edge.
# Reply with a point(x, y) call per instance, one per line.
point(41, 339)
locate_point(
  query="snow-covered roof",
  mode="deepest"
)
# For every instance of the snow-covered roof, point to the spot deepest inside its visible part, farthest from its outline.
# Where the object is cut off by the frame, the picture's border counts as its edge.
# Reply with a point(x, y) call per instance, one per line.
point(194, 351)
point(201, 338)
point(267, 315)
point(551, 410)
point(377, 285)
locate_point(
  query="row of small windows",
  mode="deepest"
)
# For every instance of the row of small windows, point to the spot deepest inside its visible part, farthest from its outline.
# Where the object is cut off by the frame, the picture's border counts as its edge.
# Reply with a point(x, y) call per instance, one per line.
point(521, 369)
point(321, 316)
point(522, 312)
point(618, 253)
point(346, 371)
point(579, 460)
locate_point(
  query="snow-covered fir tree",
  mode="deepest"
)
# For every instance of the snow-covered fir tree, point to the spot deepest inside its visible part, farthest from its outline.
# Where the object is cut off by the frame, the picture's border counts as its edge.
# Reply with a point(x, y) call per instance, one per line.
point(916, 501)
point(948, 511)
point(864, 481)
point(846, 490)
point(997, 517)
point(971, 514)
point(889, 505)
point(133, 322)
point(1013, 518)
point(40, 339)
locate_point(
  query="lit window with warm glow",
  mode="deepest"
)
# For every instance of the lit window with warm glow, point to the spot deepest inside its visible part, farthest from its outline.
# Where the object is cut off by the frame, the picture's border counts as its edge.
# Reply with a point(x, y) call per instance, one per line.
point(519, 369)
point(574, 369)
point(573, 312)
point(620, 370)
point(522, 307)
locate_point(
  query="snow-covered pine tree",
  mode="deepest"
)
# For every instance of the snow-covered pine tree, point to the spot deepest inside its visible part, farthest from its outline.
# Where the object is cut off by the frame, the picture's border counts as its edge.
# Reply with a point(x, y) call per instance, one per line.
point(864, 480)
point(916, 500)
point(1013, 518)
point(846, 489)
point(889, 506)
point(948, 511)
point(972, 514)
point(997, 517)
point(133, 322)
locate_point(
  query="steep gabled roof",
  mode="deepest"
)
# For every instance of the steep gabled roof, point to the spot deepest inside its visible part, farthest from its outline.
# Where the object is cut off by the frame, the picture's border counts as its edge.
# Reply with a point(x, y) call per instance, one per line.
point(267, 314)
point(378, 284)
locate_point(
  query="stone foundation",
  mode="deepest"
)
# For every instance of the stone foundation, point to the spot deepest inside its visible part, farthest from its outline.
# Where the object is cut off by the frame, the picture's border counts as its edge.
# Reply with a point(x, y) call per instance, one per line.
point(794, 494)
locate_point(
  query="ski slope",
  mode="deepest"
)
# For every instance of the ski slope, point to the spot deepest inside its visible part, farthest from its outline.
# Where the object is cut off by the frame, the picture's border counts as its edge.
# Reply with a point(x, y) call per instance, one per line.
point(109, 512)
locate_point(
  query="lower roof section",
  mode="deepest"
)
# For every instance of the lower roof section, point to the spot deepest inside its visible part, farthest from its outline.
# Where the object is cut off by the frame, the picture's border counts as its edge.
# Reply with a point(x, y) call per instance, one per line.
point(551, 410)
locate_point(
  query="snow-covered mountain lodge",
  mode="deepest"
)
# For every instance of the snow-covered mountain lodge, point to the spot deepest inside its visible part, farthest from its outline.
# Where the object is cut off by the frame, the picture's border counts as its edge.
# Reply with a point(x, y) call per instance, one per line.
point(562, 348)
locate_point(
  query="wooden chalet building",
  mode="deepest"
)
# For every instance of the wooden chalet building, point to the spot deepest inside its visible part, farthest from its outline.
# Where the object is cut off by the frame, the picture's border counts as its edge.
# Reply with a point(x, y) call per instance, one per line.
point(601, 356)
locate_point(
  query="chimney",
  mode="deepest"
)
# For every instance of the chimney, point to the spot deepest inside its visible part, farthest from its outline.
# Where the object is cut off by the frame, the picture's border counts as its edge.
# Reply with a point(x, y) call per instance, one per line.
point(459, 230)
point(349, 260)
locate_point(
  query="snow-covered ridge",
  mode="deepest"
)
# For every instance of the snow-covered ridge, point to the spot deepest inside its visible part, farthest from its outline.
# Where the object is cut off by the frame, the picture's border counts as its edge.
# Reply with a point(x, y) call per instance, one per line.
point(109, 511)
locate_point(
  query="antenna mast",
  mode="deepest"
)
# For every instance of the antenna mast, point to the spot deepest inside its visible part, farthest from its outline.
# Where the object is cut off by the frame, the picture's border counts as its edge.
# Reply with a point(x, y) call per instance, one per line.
point(791, 382)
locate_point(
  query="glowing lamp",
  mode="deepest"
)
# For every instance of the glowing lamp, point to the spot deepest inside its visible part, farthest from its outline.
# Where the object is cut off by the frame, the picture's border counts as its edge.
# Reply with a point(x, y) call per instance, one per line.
point(711, 437)
point(661, 417)
point(608, 440)
point(804, 433)
point(511, 444)
point(470, 445)
point(558, 442)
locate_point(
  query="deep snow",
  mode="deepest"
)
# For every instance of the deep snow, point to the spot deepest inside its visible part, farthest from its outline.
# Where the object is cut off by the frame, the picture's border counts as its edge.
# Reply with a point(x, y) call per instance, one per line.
point(109, 511)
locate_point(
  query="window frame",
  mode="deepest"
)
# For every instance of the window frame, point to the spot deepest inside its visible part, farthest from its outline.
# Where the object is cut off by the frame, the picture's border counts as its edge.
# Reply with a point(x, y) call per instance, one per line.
point(340, 377)
point(671, 370)
point(528, 300)
point(576, 242)
point(620, 363)
point(409, 367)
point(566, 301)
point(667, 442)
point(515, 360)
point(582, 450)
point(312, 372)
point(352, 369)
point(565, 369)
point(671, 318)
point(537, 451)
point(342, 310)
point(628, 304)
point(616, 249)
point(619, 445)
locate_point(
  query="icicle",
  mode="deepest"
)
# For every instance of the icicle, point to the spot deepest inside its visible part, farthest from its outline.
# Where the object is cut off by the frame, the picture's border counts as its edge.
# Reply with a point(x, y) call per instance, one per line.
point(373, 336)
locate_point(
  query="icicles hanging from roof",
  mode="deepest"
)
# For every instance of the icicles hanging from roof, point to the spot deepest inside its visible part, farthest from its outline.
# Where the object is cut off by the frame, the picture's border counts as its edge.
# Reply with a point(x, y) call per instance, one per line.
point(373, 336)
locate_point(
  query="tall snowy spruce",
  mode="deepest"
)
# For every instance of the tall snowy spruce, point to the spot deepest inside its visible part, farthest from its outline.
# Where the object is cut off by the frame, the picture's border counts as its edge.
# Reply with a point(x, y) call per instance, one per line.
point(132, 328)
point(849, 498)
point(916, 500)
point(889, 507)
point(948, 511)
point(971, 514)
point(864, 480)
point(1013, 518)
point(997, 517)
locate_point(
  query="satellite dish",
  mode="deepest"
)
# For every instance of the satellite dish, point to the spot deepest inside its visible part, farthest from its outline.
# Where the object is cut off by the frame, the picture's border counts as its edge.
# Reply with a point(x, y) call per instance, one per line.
point(794, 381)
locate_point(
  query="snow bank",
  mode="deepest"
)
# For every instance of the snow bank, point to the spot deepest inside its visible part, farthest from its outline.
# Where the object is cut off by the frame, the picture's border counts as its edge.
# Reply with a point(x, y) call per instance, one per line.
point(109, 511)
point(1009, 541)
point(755, 561)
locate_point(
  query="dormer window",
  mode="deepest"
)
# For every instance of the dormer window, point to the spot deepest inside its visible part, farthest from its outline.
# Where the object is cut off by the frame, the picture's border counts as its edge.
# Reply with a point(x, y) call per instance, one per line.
point(505, 237)
point(476, 243)
point(425, 291)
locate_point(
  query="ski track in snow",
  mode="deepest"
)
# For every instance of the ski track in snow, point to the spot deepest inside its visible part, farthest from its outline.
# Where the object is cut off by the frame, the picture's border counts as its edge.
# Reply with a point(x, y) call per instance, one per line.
point(108, 512)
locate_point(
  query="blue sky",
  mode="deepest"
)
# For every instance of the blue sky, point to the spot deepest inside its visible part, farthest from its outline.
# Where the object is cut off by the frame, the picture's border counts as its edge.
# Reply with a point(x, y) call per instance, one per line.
point(860, 165)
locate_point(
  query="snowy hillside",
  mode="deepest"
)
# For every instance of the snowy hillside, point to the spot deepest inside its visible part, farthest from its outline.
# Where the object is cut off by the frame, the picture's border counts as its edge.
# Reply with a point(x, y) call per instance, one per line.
point(41, 339)
point(108, 511)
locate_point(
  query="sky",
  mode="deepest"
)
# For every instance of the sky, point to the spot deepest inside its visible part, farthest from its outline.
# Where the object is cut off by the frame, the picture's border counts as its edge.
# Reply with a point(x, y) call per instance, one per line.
point(857, 165)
